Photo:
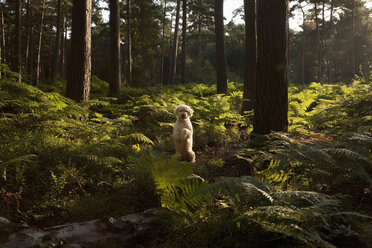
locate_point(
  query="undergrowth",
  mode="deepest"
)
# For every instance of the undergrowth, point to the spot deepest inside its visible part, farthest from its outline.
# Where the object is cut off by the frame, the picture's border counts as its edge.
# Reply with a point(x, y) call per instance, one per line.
point(63, 161)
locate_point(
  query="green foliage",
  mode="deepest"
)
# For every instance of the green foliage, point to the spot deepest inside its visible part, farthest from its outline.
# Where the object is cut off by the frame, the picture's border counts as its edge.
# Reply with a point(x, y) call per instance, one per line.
point(61, 152)
point(59, 158)
point(308, 163)
point(330, 108)
point(249, 213)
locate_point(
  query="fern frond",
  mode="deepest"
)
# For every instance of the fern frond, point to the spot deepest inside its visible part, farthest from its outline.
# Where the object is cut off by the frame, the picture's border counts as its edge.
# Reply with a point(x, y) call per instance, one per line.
point(347, 154)
point(362, 137)
point(138, 137)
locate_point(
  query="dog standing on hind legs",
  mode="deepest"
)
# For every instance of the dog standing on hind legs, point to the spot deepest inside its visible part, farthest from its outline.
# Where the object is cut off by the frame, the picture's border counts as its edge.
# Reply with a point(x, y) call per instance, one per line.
point(182, 134)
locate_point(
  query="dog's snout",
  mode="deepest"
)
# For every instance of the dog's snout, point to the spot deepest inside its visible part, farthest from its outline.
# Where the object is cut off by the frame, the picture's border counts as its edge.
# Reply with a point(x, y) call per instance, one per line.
point(183, 115)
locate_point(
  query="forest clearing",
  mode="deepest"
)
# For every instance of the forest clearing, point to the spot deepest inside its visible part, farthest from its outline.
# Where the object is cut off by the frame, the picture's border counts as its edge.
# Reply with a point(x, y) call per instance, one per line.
point(283, 150)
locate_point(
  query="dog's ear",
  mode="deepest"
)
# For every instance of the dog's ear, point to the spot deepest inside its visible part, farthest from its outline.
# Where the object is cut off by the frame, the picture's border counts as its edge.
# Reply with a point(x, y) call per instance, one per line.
point(176, 110)
point(191, 112)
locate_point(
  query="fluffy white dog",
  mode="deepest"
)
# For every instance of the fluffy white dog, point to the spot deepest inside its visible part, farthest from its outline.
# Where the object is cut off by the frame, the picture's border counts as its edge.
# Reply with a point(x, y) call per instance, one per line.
point(182, 134)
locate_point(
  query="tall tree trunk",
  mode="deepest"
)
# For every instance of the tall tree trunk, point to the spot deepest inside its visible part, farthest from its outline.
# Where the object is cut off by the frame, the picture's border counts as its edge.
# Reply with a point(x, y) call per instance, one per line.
point(38, 69)
point(4, 60)
point(2, 38)
point(220, 48)
point(63, 48)
point(18, 38)
point(318, 41)
point(329, 49)
point(115, 74)
point(57, 47)
point(199, 60)
point(78, 84)
point(271, 106)
point(303, 45)
point(324, 36)
point(28, 33)
point(250, 55)
point(30, 44)
point(170, 51)
point(183, 56)
point(162, 45)
point(173, 58)
point(353, 68)
point(129, 45)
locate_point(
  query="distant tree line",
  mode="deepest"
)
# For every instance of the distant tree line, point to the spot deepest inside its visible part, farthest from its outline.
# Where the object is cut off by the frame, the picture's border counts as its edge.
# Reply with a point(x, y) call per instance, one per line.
point(143, 43)
point(35, 38)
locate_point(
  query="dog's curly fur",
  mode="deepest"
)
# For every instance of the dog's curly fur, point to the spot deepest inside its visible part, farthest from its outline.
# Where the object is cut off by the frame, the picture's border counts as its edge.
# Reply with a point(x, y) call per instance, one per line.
point(182, 133)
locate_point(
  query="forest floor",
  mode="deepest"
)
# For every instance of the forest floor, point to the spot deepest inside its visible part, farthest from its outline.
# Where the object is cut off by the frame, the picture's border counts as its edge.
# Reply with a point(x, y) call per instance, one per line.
point(310, 187)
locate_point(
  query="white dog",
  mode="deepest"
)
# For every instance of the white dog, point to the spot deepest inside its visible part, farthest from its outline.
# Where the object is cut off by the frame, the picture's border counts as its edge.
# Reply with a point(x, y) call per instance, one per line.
point(182, 134)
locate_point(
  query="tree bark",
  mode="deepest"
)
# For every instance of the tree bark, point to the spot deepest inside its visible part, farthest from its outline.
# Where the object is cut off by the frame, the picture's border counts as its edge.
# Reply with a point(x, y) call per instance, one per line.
point(115, 74)
point(63, 48)
point(57, 47)
point(18, 39)
point(129, 45)
point(318, 41)
point(220, 48)
point(38, 69)
point(28, 27)
point(200, 45)
point(173, 58)
point(353, 67)
point(184, 38)
point(250, 55)
point(303, 45)
point(2, 38)
point(328, 49)
point(4, 60)
point(271, 107)
point(78, 84)
point(30, 44)
point(162, 45)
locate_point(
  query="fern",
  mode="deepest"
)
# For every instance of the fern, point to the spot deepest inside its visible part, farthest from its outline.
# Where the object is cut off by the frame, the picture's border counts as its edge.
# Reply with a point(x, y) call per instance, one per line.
point(15, 162)
point(138, 137)
point(347, 154)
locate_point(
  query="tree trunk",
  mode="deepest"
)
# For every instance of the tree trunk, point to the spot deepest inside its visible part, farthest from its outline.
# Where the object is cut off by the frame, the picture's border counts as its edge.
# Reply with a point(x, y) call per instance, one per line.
point(2, 47)
point(162, 45)
point(250, 55)
point(115, 74)
point(4, 60)
point(303, 45)
point(173, 58)
point(353, 68)
point(30, 60)
point(220, 48)
point(200, 45)
point(271, 106)
point(57, 47)
point(318, 41)
point(125, 231)
point(78, 84)
point(18, 39)
point(63, 48)
point(328, 49)
point(38, 69)
point(28, 33)
point(129, 45)
point(324, 36)
point(170, 51)
point(183, 56)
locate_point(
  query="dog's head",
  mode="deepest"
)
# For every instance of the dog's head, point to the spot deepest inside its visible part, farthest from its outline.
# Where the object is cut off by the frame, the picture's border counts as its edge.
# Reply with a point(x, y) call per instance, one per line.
point(183, 112)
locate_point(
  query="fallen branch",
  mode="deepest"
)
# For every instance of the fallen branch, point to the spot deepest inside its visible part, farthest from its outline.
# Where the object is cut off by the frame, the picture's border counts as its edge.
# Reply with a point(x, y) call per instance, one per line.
point(101, 232)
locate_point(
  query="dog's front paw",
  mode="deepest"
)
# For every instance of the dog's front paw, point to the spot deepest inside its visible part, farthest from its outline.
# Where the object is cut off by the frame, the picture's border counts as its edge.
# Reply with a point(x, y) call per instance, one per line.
point(186, 133)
